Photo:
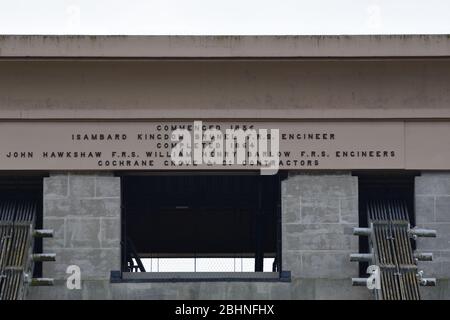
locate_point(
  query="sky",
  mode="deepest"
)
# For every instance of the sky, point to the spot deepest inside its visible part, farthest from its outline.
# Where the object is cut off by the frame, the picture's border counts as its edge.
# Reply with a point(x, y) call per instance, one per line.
point(224, 17)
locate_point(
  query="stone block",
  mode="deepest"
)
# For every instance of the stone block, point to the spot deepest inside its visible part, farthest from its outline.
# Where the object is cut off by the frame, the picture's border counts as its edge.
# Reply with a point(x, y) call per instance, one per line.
point(328, 265)
point(326, 185)
point(154, 291)
point(292, 261)
point(443, 209)
point(302, 288)
point(319, 210)
point(96, 290)
point(107, 207)
point(56, 186)
point(107, 186)
point(83, 233)
point(119, 291)
point(57, 292)
point(439, 267)
point(57, 208)
point(280, 291)
point(319, 237)
point(58, 239)
point(442, 240)
point(290, 207)
point(81, 185)
point(429, 293)
point(424, 209)
point(339, 289)
point(349, 210)
point(110, 232)
point(79, 207)
point(95, 264)
point(213, 290)
point(433, 184)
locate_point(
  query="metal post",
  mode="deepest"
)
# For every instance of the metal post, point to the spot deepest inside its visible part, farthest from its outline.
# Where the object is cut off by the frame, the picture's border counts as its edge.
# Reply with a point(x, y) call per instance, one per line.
point(259, 254)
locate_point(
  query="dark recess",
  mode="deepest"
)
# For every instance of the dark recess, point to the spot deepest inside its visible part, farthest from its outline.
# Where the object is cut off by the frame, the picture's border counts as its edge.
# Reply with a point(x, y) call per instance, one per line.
point(207, 215)
point(383, 186)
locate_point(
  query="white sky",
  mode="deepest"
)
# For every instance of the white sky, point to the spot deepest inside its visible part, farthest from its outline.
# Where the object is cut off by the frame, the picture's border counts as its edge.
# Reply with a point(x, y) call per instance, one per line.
point(224, 17)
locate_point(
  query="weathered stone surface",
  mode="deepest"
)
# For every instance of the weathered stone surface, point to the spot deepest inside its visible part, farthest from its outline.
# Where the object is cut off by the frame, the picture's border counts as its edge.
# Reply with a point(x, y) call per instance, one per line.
point(440, 292)
point(433, 183)
point(424, 209)
point(319, 210)
point(303, 289)
point(443, 209)
point(110, 232)
point(430, 293)
point(57, 292)
point(319, 237)
point(444, 260)
point(320, 265)
point(323, 185)
point(56, 186)
point(78, 207)
point(329, 265)
point(442, 240)
point(107, 186)
point(293, 262)
point(83, 233)
point(106, 207)
point(81, 185)
point(58, 227)
point(215, 291)
point(280, 291)
point(336, 289)
point(87, 229)
point(290, 207)
point(433, 212)
point(349, 210)
point(57, 208)
point(439, 267)
point(95, 264)
point(96, 290)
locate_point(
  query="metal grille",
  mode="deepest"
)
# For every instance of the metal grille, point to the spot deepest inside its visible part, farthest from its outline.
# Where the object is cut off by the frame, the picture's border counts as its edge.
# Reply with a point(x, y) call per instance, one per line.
point(392, 250)
point(16, 241)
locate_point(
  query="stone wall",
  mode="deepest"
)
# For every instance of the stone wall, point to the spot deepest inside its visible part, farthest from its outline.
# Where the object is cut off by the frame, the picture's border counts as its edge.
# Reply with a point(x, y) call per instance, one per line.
point(318, 213)
point(84, 212)
point(432, 201)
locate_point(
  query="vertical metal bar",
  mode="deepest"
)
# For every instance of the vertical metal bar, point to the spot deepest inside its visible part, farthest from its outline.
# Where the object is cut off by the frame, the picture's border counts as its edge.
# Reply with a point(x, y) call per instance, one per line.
point(279, 261)
point(123, 229)
point(259, 216)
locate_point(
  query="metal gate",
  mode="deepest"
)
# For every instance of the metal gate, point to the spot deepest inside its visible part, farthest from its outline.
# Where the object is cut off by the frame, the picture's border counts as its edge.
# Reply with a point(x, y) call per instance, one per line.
point(394, 272)
point(17, 220)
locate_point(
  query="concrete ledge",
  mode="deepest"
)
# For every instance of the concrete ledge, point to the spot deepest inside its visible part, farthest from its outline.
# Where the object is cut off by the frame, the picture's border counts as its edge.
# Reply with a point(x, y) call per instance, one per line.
point(61, 46)
point(199, 276)
point(304, 289)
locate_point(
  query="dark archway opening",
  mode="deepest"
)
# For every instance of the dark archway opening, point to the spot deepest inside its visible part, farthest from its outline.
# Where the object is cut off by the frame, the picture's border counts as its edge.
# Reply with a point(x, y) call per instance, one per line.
point(209, 222)
point(382, 186)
